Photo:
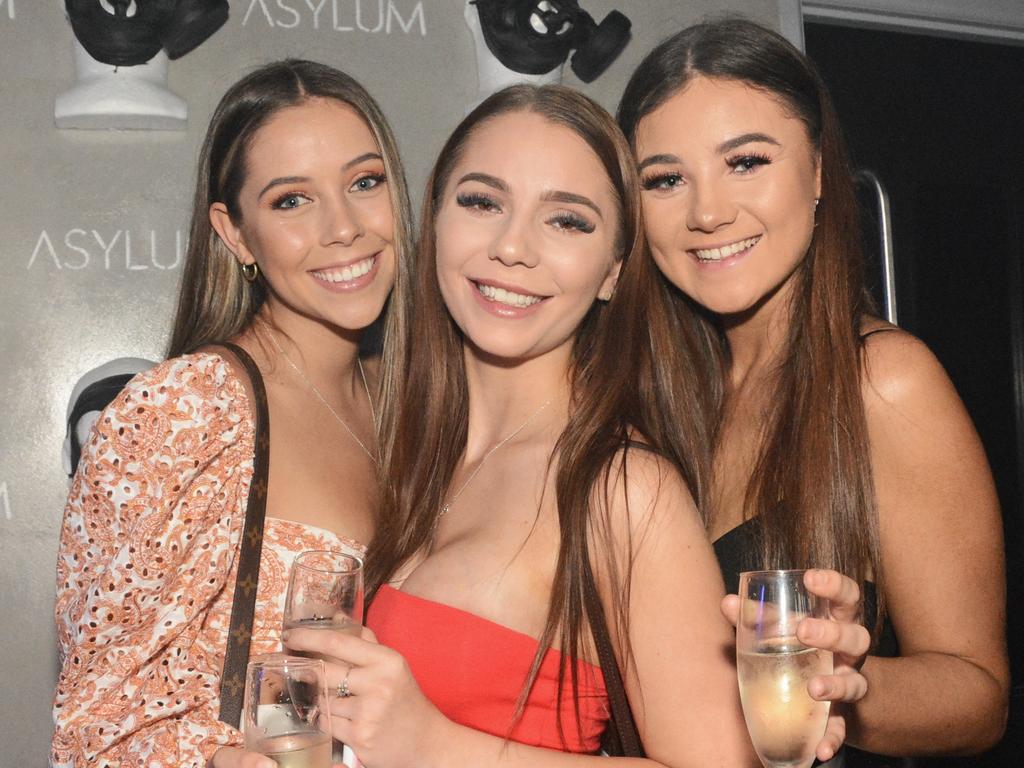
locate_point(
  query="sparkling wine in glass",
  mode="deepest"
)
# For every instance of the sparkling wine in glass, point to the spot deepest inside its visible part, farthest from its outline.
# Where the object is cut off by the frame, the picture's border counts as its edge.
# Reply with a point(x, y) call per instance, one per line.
point(325, 591)
point(285, 713)
point(784, 722)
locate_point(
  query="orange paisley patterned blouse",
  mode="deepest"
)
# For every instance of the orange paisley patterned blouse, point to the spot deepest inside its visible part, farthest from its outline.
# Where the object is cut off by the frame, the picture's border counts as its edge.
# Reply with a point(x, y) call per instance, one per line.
point(146, 570)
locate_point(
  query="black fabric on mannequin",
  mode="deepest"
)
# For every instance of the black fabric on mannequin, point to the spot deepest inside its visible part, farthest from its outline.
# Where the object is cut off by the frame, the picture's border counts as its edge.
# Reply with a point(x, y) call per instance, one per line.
point(94, 397)
point(534, 37)
point(126, 33)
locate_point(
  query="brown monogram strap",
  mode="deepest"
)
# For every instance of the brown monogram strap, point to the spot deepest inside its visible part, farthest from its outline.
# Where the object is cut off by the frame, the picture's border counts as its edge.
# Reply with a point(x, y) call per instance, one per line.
point(243, 605)
point(620, 738)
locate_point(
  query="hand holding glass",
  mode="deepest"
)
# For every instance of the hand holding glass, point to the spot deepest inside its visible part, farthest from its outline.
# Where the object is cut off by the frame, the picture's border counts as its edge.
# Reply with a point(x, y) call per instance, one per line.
point(784, 722)
point(325, 591)
point(285, 714)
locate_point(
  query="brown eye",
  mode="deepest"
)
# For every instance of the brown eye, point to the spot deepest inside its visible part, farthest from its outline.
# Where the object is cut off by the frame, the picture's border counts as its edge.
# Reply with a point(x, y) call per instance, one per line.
point(747, 163)
point(662, 181)
point(477, 202)
point(572, 223)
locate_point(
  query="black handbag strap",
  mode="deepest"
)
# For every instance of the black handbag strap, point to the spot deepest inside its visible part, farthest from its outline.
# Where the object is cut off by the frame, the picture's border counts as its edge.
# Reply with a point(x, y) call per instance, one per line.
point(243, 605)
point(620, 738)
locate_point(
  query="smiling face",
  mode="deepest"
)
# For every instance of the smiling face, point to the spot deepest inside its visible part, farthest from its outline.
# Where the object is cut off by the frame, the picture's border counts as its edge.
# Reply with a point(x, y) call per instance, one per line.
point(526, 233)
point(729, 186)
point(316, 215)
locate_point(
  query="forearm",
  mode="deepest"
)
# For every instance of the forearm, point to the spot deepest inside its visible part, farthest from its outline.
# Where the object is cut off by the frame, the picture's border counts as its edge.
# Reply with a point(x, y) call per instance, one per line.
point(927, 704)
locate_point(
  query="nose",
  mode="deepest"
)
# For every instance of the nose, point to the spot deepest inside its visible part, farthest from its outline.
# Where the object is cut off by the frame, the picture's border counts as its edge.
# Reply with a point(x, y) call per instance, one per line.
point(342, 223)
point(709, 207)
point(513, 244)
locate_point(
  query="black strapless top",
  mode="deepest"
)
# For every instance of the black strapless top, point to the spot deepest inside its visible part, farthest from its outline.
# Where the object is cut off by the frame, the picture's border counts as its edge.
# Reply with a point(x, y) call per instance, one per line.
point(736, 551)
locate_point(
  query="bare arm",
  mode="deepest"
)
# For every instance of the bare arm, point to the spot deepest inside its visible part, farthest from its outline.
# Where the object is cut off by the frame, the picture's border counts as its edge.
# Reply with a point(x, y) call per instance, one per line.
point(943, 565)
point(682, 689)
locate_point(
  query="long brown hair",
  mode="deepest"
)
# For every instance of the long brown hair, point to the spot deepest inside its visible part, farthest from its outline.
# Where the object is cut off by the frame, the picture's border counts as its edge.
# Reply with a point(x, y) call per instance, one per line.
point(215, 303)
point(811, 489)
point(432, 425)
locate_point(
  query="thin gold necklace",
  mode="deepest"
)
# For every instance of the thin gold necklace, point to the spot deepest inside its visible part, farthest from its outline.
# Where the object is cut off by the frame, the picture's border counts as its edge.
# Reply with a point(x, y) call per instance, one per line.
point(322, 399)
point(496, 446)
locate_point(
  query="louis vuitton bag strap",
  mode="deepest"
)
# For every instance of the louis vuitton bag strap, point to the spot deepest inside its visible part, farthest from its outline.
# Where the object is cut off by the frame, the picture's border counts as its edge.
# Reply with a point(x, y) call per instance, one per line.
point(243, 605)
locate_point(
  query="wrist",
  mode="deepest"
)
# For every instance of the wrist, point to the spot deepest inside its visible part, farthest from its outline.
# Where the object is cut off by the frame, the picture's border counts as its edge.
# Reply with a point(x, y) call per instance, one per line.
point(437, 742)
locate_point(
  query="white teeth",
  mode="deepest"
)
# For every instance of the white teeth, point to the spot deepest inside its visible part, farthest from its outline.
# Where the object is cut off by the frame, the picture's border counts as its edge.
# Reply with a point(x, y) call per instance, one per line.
point(717, 254)
point(345, 274)
point(507, 297)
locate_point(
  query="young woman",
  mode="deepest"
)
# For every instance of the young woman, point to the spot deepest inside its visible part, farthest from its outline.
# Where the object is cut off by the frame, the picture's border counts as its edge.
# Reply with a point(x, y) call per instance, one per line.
point(517, 490)
point(299, 232)
point(840, 443)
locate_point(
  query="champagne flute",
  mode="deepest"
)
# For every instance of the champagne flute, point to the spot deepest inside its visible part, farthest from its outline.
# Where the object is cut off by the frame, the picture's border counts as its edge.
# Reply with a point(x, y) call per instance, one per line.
point(325, 591)
point(285, 713)
point(784, 722)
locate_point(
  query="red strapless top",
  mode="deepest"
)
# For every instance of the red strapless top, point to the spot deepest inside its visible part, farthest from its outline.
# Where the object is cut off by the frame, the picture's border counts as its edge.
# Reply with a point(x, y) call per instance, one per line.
point(473, 670)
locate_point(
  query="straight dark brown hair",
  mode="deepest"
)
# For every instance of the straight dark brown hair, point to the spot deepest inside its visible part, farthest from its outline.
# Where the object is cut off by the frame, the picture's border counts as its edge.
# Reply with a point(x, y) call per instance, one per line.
point(811, 491)
point(591, 453)
point(215, 303)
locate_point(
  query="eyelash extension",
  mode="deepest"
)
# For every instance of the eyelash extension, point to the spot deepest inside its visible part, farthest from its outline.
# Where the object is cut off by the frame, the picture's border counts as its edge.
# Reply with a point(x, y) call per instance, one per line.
point(657, 180)
point(476, 200)
point(572, 221)
point(752, 159)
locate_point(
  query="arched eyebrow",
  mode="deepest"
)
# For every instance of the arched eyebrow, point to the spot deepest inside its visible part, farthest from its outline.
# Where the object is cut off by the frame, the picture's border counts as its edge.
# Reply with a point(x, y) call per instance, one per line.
point(557, 196)
point(361, 159)
point(747, 138)
point(657, 160)
point(282, 180)
point(485, 178)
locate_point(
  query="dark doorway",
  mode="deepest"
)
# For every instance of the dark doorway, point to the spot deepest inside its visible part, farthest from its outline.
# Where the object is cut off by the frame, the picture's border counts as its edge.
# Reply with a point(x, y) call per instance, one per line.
point(941, 122)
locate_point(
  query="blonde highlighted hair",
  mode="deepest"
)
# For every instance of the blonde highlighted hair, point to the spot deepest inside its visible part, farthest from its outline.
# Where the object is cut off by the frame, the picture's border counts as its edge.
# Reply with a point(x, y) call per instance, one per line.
point(215, 303)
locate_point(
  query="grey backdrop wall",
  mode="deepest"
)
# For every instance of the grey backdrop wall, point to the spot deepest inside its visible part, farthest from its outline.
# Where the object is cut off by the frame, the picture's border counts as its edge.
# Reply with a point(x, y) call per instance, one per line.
point(93, 231)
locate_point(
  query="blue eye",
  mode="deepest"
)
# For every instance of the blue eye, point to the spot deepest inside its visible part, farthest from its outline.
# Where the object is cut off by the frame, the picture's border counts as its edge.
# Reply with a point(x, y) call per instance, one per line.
point(290, 200)
point(747, 163)
point(477, 202)
point(669, 180)
point(368, 182)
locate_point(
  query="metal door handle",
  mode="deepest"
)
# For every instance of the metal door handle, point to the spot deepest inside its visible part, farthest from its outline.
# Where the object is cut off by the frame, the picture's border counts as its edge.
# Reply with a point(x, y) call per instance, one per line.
point(870, 179)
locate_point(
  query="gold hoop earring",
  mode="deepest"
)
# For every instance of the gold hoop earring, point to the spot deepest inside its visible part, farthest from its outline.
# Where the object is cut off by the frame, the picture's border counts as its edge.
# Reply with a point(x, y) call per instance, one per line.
point(250, 272)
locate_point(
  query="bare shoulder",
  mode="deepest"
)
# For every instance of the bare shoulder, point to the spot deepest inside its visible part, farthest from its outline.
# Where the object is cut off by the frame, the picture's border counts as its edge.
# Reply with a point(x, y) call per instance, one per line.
point(927, 459)
point(901, 372)
point(646, 489)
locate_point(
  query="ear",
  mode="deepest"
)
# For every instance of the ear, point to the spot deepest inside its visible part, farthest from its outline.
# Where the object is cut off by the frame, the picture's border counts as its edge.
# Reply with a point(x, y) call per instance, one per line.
point(817, 176)
point(229, 233)
point(608, 286)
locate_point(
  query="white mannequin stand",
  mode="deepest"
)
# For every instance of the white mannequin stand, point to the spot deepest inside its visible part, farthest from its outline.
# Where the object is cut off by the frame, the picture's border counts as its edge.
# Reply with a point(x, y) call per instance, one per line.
point(492, 74)
point(106, 97)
